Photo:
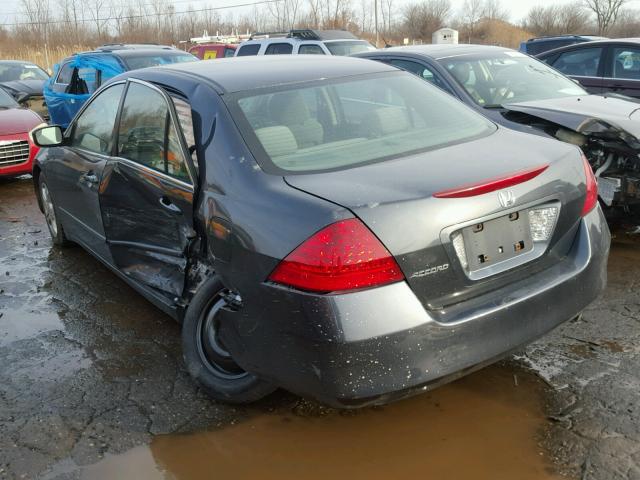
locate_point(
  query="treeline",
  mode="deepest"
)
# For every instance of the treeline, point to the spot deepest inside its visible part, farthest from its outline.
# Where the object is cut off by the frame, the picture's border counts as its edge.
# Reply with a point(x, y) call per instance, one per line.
point(58, 23)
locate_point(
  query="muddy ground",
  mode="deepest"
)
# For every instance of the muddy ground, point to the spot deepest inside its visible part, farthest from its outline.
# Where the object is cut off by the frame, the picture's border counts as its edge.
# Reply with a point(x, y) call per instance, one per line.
point(92, 385)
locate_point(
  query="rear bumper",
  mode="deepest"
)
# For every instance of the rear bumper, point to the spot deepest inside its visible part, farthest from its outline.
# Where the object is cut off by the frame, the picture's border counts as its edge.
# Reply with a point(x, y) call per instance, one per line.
point(376, 345)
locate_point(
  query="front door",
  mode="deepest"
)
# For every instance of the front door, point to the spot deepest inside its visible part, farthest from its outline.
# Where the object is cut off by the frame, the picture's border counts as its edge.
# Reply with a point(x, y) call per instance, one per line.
point(76, 178)
point(147, 194)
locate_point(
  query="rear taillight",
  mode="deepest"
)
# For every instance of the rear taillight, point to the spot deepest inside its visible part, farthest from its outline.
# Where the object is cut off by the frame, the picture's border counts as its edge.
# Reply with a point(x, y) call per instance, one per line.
point(343, 256)
point(591, 198)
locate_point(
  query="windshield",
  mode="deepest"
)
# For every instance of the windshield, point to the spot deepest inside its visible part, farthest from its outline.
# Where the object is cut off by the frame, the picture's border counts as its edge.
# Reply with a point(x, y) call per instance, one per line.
point(509, 77)
point(331, 125)
point(10, 72)
point(153, 60)
point(6, 100)
point(348, 47)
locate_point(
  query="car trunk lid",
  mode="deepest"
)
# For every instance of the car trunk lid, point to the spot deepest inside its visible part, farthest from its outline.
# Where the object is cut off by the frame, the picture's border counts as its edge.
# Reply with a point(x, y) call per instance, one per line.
point(398, 200)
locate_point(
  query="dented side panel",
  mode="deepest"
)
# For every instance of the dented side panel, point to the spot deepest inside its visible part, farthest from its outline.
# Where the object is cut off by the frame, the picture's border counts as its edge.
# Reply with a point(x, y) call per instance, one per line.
point(148, 240)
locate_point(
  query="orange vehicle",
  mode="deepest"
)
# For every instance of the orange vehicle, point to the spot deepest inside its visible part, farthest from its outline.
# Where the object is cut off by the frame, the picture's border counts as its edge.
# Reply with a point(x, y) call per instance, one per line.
point(208, 51)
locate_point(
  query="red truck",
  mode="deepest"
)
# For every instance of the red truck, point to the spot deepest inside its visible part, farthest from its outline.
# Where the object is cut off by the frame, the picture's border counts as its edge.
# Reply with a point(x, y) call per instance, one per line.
point(207, 51)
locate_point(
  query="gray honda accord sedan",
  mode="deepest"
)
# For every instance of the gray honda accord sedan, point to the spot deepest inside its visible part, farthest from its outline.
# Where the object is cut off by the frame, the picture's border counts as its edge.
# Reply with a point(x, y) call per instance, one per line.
point(332, 226)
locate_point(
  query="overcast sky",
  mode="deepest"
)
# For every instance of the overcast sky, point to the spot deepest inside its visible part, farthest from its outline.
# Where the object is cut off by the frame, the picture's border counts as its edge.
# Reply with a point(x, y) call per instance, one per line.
point(517, 8)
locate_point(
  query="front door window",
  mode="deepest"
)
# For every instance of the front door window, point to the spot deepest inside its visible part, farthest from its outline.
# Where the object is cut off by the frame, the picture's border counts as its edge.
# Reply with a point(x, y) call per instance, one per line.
point(93, 130)
point(147, 134)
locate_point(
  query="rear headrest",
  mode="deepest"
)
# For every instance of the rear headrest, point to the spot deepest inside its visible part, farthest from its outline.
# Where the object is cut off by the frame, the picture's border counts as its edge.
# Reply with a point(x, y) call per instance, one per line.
point(277, 140)
point(288, 108)
point(390, 120)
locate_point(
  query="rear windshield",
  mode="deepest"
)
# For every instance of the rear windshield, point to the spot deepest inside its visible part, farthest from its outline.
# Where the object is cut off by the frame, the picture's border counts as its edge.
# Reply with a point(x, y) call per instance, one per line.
point(349, 47)
point(135, 62)
point(332, 125)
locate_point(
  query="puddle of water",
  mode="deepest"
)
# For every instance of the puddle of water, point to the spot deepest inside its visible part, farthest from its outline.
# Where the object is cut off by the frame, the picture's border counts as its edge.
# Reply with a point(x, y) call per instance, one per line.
point(137, 463)
point(20, 324)
point(484, 426)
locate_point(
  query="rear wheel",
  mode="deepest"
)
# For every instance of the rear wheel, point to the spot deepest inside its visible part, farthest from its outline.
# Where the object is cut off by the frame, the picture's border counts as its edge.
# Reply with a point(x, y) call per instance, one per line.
point(206, 357)
point(55, 228)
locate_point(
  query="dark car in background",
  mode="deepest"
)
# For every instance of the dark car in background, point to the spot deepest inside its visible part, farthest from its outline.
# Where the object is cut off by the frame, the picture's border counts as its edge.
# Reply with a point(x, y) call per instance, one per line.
point(77, 77)
point(25, 82)
point(17, 150)
point(608, 66)
point(522, 93)
point(535, 46)
point(333, 226)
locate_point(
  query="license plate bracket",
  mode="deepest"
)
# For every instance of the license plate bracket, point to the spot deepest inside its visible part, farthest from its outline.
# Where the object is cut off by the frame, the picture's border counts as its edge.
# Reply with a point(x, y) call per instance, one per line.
point(497, 240)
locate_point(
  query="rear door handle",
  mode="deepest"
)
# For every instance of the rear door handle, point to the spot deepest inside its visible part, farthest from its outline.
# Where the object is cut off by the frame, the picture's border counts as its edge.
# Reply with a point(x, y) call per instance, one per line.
point(169, 205)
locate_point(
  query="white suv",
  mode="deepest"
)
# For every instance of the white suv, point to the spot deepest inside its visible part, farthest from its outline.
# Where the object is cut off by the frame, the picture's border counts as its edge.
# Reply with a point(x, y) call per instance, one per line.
point(304, 42)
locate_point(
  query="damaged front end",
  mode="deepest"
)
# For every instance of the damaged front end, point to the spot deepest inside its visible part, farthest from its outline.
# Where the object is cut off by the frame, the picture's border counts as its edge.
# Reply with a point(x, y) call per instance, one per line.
point(612, 151)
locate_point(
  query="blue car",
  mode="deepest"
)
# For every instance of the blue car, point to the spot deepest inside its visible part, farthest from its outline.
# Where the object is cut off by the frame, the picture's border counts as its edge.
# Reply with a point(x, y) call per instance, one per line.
point(77, 77)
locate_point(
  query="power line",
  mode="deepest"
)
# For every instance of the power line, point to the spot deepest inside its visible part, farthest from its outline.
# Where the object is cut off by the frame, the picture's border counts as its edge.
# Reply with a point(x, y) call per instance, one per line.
point(125, 4)
point(146, 15)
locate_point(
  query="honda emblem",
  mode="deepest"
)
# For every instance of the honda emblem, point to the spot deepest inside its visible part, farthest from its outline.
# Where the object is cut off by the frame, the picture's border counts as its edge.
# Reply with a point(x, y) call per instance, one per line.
point(506, 198)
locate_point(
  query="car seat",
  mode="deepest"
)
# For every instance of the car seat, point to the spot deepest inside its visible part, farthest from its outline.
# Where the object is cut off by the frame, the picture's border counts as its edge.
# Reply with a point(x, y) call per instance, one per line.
point(289, 109)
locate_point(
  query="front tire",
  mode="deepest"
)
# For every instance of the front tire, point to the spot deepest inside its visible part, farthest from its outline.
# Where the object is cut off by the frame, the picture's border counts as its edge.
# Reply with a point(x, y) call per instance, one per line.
point(205, 356)
point(53, 224)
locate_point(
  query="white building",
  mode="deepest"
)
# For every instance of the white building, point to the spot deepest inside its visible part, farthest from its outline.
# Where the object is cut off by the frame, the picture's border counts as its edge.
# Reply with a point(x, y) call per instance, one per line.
point(445, 35)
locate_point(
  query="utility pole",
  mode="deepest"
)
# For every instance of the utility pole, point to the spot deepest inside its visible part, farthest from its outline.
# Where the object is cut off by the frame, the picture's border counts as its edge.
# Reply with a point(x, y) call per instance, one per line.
point(375, 14)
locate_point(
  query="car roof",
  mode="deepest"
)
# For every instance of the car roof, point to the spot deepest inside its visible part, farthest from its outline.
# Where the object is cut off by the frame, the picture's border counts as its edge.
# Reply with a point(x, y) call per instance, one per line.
point(110, 47)
point(140, 52)
point(438, 51)
point(16, 62)
point(563, 37)
point(229, 75)
point(130, 52)
point(298, 35)
point(608, 41)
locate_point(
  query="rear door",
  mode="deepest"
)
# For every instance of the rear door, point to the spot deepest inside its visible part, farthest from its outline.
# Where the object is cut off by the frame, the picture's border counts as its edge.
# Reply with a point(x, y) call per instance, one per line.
point(147, 194)
point(585, 65)
point(623, 71)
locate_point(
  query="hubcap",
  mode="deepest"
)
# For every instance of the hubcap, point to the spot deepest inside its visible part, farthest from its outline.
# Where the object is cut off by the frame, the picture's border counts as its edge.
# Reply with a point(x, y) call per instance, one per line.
point(212, 352)
point(49, 212)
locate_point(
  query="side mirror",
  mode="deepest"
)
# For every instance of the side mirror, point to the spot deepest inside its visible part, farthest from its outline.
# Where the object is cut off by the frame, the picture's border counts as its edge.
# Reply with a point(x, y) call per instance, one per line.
point(49, 136)
point(22, 97)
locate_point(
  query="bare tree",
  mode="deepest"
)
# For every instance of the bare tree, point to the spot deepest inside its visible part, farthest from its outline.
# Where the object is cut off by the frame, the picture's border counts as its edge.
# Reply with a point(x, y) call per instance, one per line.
point(472, 13)
point(387, 15)
point(365, 20)
point(284, 13)
point(422, 19)
point(38, 15)
point(99, 13)
point(494, 10)
point(627, 24)
point(606, 12)
point(570, 18)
